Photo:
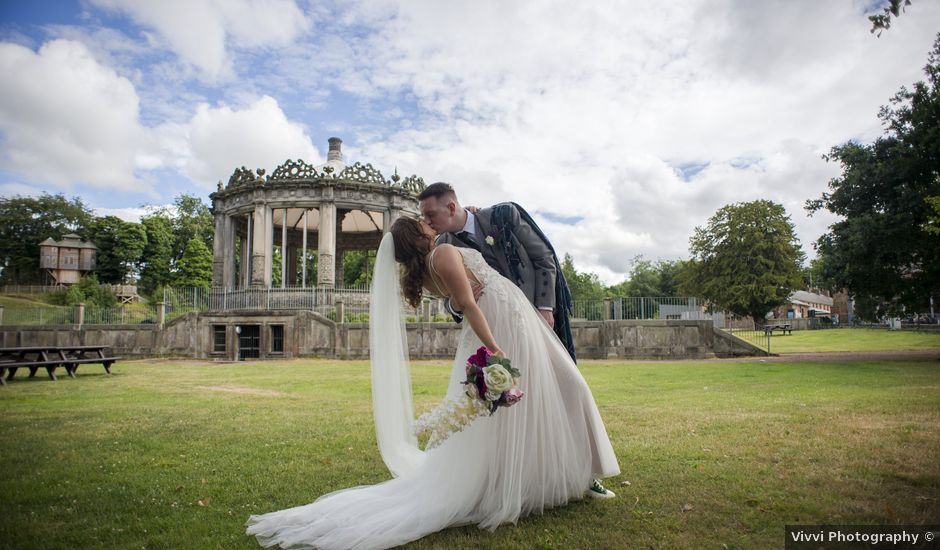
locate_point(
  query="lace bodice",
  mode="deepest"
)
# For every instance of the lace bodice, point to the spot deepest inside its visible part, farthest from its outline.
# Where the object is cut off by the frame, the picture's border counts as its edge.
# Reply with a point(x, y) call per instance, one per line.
point(474, 261)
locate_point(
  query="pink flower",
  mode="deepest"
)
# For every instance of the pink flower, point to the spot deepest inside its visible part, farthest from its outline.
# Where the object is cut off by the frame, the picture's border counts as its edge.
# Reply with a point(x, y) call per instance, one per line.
point(512, 396)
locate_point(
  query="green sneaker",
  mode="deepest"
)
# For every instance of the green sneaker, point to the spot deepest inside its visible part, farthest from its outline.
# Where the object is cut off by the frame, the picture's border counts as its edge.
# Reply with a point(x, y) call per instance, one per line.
point(598, 491)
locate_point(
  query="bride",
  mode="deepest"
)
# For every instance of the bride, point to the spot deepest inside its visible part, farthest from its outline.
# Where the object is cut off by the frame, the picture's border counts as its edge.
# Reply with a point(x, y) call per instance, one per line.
point(542, 452)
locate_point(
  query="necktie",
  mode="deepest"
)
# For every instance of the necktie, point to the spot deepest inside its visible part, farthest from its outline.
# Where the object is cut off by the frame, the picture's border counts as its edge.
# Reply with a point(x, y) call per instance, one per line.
point(468, 238)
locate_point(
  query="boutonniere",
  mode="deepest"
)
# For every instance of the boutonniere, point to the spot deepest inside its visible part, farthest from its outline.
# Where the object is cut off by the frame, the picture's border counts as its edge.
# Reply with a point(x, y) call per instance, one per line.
point(490, 240)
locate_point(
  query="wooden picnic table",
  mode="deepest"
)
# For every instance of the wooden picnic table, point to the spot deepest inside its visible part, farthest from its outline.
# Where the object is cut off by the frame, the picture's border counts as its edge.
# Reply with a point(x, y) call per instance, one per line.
point(784, 328)
point(50, 358)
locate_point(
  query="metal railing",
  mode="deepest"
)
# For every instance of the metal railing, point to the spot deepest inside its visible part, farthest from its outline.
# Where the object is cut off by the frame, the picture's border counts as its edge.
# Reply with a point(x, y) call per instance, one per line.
point(126, 315)
point(17, 315)
point(642, 308)
point(30, 289)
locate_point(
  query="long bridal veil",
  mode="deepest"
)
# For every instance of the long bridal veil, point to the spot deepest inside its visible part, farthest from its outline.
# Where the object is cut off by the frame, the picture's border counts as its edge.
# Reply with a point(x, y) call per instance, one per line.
point(391, 373)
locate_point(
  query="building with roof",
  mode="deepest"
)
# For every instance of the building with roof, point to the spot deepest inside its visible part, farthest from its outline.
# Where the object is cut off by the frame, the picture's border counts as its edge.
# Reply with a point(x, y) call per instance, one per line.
point(803, 304)
point(67, 260)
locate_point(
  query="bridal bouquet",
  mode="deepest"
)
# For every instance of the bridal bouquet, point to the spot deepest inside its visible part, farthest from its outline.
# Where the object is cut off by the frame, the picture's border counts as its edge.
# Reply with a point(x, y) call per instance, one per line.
point(492, 382)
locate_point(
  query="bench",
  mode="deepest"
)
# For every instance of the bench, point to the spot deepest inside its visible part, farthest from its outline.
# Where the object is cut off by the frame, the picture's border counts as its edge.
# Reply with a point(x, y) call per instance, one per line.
point(770, 329)
point(71, 364)
point(50, 358)
point(33, 366)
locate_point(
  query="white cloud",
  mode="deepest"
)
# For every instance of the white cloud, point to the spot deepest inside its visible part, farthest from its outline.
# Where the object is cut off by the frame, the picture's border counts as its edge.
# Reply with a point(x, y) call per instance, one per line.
point(65, 118)
point(218, 139)
point(130, 214)
point(12, 188)
point(585, 109)
point(199, 31)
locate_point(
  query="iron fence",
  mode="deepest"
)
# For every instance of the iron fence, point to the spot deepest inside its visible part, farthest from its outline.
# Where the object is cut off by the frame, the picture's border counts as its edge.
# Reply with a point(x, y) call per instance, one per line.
point(17, 315)
point(124, 315)
point(641, 308)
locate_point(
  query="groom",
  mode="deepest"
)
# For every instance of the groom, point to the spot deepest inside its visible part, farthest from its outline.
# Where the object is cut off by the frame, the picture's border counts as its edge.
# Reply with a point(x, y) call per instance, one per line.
point(511, 243)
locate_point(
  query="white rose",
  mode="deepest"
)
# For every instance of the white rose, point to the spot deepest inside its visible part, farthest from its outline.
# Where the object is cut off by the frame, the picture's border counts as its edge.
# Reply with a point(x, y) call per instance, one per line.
point(497, 379)
point(489, 240)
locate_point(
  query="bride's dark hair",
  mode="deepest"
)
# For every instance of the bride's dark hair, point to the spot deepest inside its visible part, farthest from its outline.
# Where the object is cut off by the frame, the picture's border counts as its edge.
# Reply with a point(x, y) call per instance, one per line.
point(411, 250)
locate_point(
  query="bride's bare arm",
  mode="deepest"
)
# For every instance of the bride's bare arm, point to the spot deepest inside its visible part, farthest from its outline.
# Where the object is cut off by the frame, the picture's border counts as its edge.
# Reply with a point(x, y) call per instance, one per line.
point(449, 265)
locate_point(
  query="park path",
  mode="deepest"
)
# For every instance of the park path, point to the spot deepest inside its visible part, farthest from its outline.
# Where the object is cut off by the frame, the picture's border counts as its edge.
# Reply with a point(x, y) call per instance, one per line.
point(856, 355)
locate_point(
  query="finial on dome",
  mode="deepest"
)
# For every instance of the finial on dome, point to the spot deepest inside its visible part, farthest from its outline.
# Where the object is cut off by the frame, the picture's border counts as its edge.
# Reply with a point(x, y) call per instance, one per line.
point(335, 152)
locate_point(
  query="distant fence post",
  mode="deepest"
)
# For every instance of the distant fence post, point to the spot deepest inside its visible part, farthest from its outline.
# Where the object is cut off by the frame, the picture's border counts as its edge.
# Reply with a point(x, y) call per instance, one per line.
point(79, 315)
point(606, 312)
point(1, 315)
point(161, 314)
point(340, 311)
point(426, 311)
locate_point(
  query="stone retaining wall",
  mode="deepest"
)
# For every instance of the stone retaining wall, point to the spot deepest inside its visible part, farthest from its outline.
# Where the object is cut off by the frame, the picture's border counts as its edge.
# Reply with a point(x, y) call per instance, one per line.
point(308, 334)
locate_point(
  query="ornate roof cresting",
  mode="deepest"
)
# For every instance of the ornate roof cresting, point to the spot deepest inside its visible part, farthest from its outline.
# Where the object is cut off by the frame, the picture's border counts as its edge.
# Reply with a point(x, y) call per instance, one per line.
point(363, 173)
point(333, 170)
point(244, 177)
point(294, 170)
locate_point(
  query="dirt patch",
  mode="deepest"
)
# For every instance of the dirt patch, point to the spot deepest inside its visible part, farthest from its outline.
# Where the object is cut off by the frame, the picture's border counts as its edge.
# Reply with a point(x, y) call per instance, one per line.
point(244, 391)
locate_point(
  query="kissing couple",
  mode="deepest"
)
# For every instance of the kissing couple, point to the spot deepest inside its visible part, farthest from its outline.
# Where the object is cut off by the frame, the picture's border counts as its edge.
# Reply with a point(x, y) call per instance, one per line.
point(496, 270)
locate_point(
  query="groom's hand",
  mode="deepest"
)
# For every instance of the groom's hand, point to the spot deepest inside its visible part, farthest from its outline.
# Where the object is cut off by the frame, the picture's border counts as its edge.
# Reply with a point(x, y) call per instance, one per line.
point(549, 317)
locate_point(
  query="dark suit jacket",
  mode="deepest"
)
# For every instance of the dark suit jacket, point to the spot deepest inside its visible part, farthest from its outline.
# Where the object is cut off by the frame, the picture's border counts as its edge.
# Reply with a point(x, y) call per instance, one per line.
point(538, 262)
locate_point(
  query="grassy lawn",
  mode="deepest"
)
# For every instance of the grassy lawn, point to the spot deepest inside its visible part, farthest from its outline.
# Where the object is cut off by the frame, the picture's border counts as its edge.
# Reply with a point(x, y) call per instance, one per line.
point(178, 454)
point(853, 339)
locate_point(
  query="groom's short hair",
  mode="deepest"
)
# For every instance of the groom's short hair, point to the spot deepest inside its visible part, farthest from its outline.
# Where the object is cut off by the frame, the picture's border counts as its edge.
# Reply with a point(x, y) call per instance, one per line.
point(438, 190)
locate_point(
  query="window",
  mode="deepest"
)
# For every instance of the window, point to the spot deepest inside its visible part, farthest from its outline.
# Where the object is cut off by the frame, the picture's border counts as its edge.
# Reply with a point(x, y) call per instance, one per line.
point(277, 338)
point(218, 338)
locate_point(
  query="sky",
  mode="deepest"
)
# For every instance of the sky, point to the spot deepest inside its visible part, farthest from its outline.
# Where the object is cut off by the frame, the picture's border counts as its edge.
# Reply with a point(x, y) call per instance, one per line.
point(621, 126)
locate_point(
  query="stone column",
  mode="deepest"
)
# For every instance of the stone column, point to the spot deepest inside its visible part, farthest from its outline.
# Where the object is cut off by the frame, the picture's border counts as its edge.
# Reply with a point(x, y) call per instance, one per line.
point(268, 246)
point(389, 217)
point(339, 267)
point(285, 255)
point(79, 315)
point(161, 314)
point(228, 252)
point(218, 246)
point(326, 246)
point(260, 247)
point(1, 317)
point(292, 255)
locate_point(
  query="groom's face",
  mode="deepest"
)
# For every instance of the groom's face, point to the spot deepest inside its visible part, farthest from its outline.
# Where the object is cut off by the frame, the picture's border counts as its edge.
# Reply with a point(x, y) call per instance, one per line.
point(440, 213)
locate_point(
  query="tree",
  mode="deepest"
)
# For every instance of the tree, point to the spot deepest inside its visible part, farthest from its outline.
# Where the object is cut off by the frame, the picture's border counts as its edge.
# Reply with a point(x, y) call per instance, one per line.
point(27, 221)
point(357, 267)
point(746, 260)
point(879, 250)
point(647, 279)
point(882, 21)
point(156, 263)
point(120, 246)
point(192, 221)
point(583, 286)
point(195, 267)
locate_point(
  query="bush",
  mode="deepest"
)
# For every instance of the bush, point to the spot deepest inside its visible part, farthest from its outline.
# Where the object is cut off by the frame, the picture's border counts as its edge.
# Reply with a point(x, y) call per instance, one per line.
point(87, 291)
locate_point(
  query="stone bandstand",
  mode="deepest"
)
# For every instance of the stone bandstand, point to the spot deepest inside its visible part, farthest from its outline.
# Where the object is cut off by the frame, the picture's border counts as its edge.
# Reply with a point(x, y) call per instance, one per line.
point(299, 208)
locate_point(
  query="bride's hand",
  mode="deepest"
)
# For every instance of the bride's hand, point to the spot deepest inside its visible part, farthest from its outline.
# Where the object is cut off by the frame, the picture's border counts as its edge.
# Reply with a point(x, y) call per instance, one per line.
point(498, 353)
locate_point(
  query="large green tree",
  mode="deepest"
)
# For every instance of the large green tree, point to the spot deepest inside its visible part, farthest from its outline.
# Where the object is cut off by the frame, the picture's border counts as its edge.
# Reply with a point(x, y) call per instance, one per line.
point(156, 263)
point(195, 267)
point(584, 285)
point(746, 260)
point(879, 250)
point(120, 246)
point(27, 221)
point(648, 279)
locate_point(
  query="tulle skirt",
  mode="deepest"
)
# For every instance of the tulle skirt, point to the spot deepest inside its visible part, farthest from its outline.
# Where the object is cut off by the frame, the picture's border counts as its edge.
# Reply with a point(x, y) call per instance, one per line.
point(540, 453)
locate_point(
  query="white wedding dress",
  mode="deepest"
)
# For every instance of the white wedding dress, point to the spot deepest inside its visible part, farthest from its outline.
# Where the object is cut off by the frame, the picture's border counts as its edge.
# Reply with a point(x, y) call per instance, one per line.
point(539, 453)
